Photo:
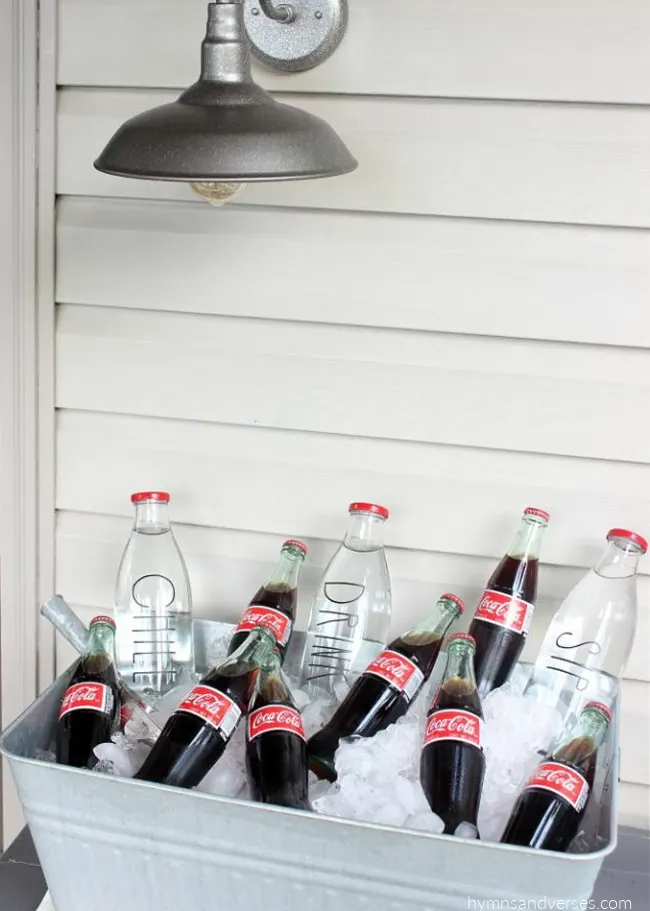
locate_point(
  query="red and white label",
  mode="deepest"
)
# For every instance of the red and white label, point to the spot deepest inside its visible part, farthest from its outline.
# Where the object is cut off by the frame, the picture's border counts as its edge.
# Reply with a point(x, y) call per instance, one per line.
point(94, 696)
point(275, 718)
point(561, 780)
point(453, 724)
point(212, 706)
point(268, 618)
point(397, 670)
point(504, 610)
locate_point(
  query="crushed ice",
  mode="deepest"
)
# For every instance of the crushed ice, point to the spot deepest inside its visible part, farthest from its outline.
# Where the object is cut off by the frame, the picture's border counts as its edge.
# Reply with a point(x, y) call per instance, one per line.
point(378, 778)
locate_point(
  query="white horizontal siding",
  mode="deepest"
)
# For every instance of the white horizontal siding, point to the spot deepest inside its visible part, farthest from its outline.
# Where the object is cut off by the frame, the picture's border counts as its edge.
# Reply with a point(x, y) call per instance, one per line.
point(405, 386)
point(559, 50)
point(459, 328)
point(444, 274)
point(443, 498)
point(481, 159)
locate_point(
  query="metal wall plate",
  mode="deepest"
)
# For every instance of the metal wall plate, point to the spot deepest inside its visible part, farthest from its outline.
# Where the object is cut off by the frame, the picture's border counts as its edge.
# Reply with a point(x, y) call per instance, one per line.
point(311, 37)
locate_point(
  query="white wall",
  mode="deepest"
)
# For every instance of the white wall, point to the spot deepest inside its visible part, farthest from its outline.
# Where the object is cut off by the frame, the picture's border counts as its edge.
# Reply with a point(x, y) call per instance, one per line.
point(457, 329)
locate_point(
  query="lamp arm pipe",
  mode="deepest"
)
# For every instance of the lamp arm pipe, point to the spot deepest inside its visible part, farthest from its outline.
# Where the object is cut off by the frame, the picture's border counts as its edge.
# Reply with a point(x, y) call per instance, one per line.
point(282, 13)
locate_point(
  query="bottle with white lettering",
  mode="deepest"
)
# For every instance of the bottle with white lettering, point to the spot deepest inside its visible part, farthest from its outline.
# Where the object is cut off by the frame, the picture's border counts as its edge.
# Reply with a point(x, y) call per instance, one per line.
point(275, 603)
point(549, 809)
point(505, 610)
point(196, 735)
point(90, 709)
point(589, 640)
point(387, 687)
point(452, 763)
point(276, 747)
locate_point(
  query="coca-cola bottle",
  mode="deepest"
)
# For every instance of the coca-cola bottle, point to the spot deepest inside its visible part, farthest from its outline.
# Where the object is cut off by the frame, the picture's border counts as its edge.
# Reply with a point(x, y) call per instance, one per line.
point(153, 601)
point(549, 809)
point(505, 610)
point(589, 640)
point(452, 763)
point(276, 746)
point(197, 734)
point(389, 684)
point(274, 604)
point(90, 709)
point(350, 615)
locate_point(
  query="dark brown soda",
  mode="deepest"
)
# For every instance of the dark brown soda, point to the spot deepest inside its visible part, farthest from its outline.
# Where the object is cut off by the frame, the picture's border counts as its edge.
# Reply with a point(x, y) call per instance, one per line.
point(370, 706)
point(498, 649)
point(452, 772)
point(280, 597)
point(80, 731)
point(188, 747)
point(541, 819)
point(277, 762)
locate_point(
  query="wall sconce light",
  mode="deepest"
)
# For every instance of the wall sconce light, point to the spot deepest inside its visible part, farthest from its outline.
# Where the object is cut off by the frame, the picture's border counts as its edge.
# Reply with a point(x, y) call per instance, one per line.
point(225, 130)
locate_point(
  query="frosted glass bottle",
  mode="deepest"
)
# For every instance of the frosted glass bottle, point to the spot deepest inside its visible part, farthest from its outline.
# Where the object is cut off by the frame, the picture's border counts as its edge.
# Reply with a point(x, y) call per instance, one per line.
point(589, 640)
point(153, 602)
point(350, 615)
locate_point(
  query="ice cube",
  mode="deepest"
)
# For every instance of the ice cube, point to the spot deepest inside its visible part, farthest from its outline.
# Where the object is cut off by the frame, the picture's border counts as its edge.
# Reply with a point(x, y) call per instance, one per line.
point(228, 777)
point(317, 713)
point(45, 755)
point(118, 757)
point(300, 697)
point(425, 822)
point(466, 830)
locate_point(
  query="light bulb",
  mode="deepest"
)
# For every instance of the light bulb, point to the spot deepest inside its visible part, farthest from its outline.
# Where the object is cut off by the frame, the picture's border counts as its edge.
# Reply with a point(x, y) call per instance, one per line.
point(218, 194)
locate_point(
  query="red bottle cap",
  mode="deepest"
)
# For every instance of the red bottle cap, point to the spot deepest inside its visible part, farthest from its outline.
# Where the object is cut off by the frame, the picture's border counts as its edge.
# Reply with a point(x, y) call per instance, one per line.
point(540, 513)
point(101, 618)
point(158, 495)
point(464, 636)
point(293, 542)
point(629, 536)
point(449, 597)
point(369, 507)
point(605, 709)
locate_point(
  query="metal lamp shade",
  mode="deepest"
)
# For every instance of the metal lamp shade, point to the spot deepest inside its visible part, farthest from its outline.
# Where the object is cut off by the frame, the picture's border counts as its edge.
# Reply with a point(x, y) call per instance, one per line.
point(225, 127)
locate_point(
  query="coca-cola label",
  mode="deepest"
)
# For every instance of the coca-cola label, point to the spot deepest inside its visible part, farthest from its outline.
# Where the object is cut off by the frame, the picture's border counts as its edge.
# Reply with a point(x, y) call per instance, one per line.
point(94, 696)
point(213, 707)
point(559, 779)
point(453, 724)
point(269, 618)
point(397, 670)
point(275, 718)
point(504, 610)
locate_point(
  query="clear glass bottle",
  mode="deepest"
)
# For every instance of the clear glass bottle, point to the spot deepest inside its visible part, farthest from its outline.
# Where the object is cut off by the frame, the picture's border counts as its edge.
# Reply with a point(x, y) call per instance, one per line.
point(350, 615)
point(589, 640)
point(153, 602)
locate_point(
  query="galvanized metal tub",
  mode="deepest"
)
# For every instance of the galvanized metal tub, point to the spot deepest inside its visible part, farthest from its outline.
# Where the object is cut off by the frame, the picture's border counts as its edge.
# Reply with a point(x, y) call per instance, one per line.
point(112, 844)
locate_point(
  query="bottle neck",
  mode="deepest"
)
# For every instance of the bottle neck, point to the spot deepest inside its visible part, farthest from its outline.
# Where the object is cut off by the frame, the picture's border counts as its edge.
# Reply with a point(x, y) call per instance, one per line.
point(287, 570)
point(620, 559)
point(151, 517)
point(254, 652)
point(583, 738)
point(435, 624)
point(271, 685)
point(101, 639)
point(365, 532)
point(528, 540)
point(460, 663)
